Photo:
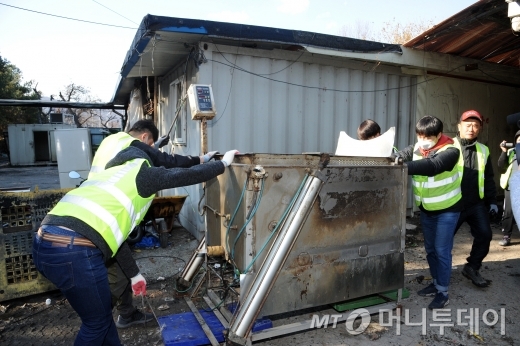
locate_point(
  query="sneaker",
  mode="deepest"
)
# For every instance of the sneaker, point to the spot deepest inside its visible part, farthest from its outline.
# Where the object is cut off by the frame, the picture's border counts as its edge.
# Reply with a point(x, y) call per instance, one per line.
point(428, 291)
point(439, 301)
point(505, 241)
point(137, 318)
point(474, 276)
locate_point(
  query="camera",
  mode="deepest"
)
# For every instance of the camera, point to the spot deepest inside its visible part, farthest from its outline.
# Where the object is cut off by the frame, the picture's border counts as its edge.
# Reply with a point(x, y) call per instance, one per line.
point(507, 145)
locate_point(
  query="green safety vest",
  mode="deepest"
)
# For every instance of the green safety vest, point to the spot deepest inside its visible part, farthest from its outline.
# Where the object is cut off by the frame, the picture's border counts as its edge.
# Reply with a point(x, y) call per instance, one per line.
point(482, 156)
point(438, 192)
point(109, 147)
point(504, 178)
point(109, 203)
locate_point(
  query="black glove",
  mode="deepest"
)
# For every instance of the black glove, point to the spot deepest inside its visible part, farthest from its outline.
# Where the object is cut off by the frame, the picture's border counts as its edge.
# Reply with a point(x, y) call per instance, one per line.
point(161, 142)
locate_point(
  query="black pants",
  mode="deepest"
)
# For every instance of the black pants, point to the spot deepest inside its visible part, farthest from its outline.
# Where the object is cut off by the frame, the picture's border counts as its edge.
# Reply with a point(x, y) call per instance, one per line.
point(477, 217)
point(121, 290)
point(508, 220)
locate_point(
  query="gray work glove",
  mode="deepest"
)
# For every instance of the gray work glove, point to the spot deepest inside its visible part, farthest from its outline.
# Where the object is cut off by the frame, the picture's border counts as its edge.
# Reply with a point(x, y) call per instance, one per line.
point(229, 156)
point(209, 156)
point(161, 142)
point(493, 209)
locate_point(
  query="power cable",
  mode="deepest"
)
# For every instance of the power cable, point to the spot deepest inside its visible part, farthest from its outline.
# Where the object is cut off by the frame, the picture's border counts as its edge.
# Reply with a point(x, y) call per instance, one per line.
point(100, 4)
point(334, 90)
point(69, 18)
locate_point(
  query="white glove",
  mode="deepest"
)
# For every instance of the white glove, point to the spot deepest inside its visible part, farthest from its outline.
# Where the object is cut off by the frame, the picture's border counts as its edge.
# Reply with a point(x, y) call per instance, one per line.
point(493, 208)
point(209, 156)
point(138, 285)
point(229, 156)
point(161, 142)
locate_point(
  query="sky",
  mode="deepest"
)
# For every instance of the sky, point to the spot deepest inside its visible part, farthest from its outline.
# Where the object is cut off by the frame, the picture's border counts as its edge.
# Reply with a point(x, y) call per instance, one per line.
point(54, 52)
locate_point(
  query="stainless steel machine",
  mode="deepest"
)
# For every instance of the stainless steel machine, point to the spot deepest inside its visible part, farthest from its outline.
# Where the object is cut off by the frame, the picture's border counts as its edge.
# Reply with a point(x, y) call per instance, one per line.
point(307, 230)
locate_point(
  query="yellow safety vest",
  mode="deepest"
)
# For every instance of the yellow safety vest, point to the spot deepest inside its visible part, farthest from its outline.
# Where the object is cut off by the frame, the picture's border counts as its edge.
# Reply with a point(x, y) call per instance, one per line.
point(109, 147)
point(482, 156)
point(438, 192)
point(109, 203)
point(504, 178)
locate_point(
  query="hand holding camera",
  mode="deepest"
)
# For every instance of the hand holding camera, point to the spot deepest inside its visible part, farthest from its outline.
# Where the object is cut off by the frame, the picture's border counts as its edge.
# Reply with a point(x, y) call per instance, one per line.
point(504, 146)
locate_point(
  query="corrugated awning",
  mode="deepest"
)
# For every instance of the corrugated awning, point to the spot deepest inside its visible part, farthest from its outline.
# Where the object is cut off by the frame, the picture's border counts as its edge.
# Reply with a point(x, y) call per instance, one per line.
point(482, 31)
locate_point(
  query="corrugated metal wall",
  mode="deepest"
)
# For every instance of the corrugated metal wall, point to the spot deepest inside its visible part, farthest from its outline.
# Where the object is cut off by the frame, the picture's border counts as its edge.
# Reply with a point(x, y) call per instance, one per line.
point(297, 110)
point(448, 98)
point(290, 104)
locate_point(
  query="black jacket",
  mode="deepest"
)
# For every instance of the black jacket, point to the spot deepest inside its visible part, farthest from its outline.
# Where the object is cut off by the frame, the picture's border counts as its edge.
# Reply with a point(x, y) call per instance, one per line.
point(149, 180)
point(435, 163)
point(159, 158)
point(469, 185)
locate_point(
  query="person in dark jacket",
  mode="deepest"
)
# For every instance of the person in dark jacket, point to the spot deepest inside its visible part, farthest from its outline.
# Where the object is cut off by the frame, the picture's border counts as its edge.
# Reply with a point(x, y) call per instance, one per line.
point(478, 192)
point(432, 163)
point(507, 165)
point(89, 225)
point(142, 135)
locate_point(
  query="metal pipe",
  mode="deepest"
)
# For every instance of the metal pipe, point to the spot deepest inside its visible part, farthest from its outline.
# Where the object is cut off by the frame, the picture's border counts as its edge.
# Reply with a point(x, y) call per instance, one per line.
point(193, 265)
point(274, 261)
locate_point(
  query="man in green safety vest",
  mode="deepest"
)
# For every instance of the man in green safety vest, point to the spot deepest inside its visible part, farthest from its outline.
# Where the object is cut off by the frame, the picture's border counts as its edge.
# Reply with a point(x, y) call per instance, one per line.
point(507, 164)
point(143, 135)
point(89, 225)
point(432, 163)
point(478, 192)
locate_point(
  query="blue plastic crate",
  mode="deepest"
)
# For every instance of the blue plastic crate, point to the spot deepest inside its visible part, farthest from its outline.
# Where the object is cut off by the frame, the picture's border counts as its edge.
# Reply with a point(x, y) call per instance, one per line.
point(184, 330)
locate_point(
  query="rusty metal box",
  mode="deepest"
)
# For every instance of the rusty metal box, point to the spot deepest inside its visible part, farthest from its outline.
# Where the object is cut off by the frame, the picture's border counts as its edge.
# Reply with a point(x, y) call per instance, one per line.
point(351, 244)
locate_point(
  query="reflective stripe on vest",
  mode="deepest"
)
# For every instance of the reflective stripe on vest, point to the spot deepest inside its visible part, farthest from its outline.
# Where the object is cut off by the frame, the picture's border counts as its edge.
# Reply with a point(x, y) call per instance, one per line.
point(109, 147)
point(438, 192)
point(482, 156)
point(504, 178)
point(109, 203)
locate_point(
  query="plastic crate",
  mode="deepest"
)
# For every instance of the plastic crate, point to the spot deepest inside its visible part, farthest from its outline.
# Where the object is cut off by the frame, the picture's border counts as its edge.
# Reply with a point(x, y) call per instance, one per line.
point(20, 216)
point(184, 330)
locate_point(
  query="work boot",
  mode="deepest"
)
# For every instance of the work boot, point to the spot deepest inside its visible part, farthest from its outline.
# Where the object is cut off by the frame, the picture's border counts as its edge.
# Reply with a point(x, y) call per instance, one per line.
point(428, 291)
point(137, 317)
point(474, 276)
point(440, 301)
point(506, 241)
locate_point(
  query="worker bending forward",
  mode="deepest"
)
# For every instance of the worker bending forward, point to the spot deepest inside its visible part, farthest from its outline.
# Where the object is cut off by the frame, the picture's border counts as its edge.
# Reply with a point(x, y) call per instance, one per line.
point(432, 162)
point(89, 225)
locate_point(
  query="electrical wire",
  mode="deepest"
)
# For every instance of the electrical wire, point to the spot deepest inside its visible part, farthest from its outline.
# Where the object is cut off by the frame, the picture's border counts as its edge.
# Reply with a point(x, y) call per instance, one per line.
point(175, 257)
point(230, 222)
point(282, 220)
point(249, 217)
point(335, 90)
point(69, 18)
point(100, 4)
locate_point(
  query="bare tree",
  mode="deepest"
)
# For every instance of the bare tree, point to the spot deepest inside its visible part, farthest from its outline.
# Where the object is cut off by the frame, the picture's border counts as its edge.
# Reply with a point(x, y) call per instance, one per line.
point(361, 30)
point(81, 117)
point(392, 32)
point(109, 120)
point(399, 33)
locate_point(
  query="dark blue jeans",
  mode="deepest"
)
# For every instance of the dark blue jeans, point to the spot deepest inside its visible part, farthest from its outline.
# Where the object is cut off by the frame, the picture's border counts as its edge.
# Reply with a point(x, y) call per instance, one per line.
point(81, 275)
point(438, 231)
point(477, 217)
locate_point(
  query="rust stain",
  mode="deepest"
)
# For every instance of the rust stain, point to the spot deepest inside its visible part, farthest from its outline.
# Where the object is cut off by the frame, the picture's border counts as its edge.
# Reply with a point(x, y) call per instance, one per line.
point(303, 293)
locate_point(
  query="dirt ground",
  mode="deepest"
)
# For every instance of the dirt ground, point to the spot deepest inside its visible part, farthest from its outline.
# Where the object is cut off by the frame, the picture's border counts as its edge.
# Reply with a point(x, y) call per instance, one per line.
point(29, 321)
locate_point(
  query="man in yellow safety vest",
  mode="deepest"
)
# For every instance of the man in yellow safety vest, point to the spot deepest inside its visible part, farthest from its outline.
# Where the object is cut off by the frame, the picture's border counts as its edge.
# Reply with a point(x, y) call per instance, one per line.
point(478, 192)
point(89, 225)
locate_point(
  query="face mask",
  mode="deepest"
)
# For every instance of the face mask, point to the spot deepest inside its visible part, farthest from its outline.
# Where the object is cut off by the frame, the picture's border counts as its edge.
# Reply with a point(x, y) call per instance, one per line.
point(426, 144)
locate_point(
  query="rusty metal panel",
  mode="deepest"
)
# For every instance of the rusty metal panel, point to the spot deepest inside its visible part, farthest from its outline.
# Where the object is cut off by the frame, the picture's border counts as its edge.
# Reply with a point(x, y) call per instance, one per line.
point(351, 244)
point(482, 31)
